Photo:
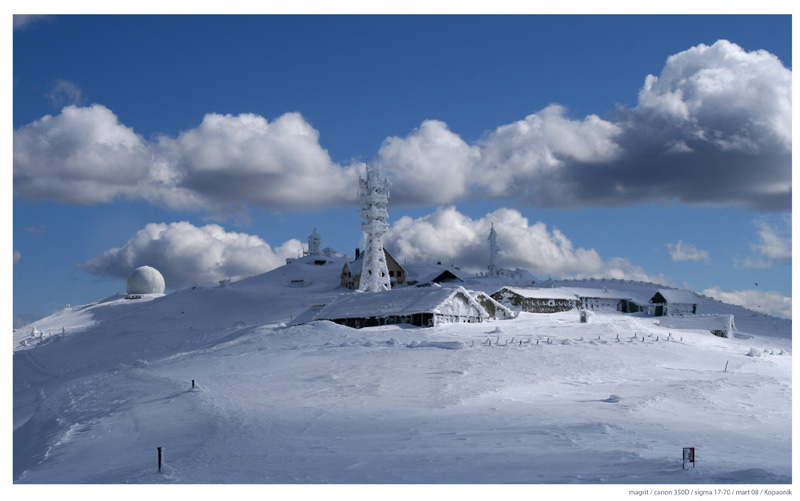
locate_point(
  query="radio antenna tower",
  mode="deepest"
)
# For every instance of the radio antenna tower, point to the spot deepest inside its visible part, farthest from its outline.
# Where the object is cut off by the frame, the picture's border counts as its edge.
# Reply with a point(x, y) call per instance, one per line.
point(493, 250)
point(374, 193)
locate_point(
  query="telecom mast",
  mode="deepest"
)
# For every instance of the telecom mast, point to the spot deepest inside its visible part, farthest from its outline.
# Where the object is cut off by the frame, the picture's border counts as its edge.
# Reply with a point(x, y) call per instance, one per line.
point(374, 192)
point(493, 249)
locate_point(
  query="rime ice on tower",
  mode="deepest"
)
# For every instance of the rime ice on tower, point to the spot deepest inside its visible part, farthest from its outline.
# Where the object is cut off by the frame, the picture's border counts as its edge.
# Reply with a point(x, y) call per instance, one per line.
point(374, 193)
point(314, 244)
point(493, 250)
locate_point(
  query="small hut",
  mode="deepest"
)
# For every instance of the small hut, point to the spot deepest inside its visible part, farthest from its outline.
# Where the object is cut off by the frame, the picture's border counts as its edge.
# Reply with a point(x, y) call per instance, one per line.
point(673, 302)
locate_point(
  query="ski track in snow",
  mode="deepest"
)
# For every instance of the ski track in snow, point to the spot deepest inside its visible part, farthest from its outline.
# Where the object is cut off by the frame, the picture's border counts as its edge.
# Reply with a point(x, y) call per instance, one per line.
point(537, 399)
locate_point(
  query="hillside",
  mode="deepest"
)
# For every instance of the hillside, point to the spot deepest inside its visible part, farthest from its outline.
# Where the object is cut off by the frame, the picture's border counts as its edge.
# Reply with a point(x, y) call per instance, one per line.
point(537, 399)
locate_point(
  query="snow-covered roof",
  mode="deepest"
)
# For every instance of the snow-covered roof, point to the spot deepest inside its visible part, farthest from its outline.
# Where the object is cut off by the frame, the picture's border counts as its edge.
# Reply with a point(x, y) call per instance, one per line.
point(677, 296)
point(597, 293)
point(421, 272)
point(357, 263)
point(431, 277)
point(542, 293)
point(402, 301)
point(483, 297)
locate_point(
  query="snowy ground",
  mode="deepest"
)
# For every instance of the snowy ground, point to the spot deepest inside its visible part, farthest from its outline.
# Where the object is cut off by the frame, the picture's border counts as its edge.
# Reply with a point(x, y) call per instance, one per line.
point(541, 399)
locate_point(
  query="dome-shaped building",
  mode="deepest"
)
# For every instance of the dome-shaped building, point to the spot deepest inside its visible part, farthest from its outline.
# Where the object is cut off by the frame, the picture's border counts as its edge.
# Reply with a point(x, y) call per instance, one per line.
point(145, 280)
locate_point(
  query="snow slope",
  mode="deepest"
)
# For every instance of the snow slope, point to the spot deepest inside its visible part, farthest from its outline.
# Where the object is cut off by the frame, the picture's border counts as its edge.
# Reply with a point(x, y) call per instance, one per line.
point(537, 399)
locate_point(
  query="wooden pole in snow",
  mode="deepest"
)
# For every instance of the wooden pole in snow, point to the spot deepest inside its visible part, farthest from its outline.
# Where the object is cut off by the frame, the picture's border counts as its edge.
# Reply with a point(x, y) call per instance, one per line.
point(159, 459)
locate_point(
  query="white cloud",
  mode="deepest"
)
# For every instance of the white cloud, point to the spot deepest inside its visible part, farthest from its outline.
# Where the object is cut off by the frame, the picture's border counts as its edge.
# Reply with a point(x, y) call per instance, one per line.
point(429, 166)
point(447, 235)
point(775, 243)
point(776, 240)
point(86, 156)
point(186, 254)
point(239, 159)
point(722, 94)
point(714, 127)
point(526, 159)
point(17, 256)
point(82, 156)
point(770, 302)
point(686, 252)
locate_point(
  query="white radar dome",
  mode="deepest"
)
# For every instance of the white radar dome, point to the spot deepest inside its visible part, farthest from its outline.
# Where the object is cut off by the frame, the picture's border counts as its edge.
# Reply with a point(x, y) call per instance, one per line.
point(145, 280)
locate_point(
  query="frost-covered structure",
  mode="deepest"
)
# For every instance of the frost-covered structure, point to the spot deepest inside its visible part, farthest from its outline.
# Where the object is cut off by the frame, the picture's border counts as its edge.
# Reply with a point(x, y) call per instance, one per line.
point(719, 325)
point(447, 277)
point(493, 250)
point(314, 244)
point(605, 299)
point(494, 309)
point(423, 307)
point(145, 280)
point(555, 299)
point(351, 272)
point(673, 302)
point(374, 192)
point(536, 300)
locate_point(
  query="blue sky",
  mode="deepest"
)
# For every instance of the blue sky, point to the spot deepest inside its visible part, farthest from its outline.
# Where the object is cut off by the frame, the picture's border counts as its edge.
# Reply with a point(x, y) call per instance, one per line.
point(638, 147)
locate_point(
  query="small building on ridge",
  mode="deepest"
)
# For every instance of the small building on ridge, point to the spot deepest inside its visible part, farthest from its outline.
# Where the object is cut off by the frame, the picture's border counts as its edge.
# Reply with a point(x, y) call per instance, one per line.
point(673, 302)
point(537, 300)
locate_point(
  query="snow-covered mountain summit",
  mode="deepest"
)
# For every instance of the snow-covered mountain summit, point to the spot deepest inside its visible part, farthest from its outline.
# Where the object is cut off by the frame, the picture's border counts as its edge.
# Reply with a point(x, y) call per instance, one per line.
point(541, 398)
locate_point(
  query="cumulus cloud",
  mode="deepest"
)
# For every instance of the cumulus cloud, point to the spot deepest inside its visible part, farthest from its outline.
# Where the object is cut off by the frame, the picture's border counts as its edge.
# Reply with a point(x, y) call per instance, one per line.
point(429, 166)
point(82, 156)
point(246, 159)
point(527, 159)
point(686, 252)
point(734, 99)
point(714, 127)
point(523, 159)
point(186, 254)
point(447, 235)
point(770, 302)
point(86, 156)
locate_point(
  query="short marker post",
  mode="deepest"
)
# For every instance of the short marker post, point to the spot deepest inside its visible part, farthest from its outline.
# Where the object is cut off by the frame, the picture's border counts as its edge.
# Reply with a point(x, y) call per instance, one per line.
point(159, 459)
point(688, 455)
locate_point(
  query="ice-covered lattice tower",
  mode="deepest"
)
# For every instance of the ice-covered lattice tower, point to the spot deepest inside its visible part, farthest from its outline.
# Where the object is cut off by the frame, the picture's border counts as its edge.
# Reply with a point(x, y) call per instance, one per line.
point(493, 250)
point(374, 193)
